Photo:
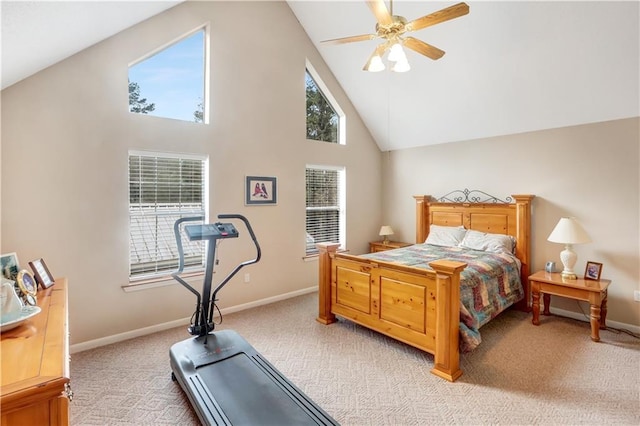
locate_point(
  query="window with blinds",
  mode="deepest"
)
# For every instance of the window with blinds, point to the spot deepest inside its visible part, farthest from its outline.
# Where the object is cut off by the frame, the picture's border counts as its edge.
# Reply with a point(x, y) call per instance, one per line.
point(162, 189)
point(325, 210)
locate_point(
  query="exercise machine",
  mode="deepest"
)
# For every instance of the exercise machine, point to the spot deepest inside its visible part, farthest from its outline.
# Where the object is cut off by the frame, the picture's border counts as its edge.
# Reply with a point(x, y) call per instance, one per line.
point(226, 380)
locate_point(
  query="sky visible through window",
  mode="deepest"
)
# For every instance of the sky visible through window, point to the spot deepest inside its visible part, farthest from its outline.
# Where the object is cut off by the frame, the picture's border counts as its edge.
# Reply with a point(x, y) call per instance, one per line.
point(173, 79)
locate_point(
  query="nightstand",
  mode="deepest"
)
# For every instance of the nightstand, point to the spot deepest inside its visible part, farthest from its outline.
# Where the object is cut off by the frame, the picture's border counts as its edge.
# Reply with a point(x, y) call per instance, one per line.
point(376, 246)
point(552, 283)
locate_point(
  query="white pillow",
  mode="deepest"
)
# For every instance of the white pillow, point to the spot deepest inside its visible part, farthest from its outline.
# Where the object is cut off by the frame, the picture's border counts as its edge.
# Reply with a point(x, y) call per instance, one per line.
point(496, 243)
point(448, 236)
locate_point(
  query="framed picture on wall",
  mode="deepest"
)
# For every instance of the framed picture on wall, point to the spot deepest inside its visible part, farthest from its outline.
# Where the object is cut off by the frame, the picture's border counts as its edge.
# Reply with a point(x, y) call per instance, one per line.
point(260, 190)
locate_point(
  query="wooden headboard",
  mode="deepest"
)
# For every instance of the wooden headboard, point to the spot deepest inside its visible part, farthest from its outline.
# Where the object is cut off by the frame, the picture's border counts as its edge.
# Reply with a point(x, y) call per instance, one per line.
point(483, 213)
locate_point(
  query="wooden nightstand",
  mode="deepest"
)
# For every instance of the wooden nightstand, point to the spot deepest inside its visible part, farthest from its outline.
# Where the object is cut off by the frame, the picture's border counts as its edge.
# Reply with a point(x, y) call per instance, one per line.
point(376, 246)
point(594, 292)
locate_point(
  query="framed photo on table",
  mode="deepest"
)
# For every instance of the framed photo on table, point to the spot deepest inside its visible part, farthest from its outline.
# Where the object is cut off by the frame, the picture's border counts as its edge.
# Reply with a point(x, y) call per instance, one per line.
point(41, 272)
point(593, 271)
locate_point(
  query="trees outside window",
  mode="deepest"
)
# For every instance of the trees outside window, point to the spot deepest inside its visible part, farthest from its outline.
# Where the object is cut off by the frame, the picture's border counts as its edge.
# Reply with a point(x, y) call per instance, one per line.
point(325, 120)
point(137, 104)
point(322, 119)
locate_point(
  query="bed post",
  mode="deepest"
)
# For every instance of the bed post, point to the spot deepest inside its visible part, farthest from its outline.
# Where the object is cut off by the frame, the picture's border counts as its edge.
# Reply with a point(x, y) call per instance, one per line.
point(326, 253)
point(523, 245)
point(422, 217)
point(446, 359)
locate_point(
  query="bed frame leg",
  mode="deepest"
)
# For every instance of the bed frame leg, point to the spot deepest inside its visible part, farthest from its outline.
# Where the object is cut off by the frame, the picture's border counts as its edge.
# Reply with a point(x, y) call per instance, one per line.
point(446, 362)
point(326, 253)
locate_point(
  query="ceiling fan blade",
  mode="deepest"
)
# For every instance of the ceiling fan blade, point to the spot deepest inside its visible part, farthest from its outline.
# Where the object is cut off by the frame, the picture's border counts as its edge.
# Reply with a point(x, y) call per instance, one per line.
point(443, 15)
point(380, 11)
point(351, 39)
point(379, 51)
point(423, 48)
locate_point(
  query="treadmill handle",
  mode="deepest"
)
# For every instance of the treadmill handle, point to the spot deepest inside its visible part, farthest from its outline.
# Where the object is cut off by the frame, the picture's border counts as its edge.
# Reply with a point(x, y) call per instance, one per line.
point(176, 274)
point(176, 231)
point(243, 264)
point(253, 236)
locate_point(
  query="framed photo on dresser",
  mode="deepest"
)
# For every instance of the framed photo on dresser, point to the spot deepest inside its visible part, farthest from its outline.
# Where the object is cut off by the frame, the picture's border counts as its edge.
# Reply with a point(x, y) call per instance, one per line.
point(41, 273)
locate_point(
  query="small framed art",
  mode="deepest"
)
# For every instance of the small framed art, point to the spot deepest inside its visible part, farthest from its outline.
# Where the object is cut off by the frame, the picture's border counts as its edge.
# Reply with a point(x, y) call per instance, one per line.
point(41, 272)
point(593, 271)
point(10, 266)
point(260, 190)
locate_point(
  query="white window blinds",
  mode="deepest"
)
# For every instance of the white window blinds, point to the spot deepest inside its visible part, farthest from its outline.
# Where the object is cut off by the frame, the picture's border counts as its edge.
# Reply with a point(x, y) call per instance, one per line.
point(162, 189)
point(325, 206)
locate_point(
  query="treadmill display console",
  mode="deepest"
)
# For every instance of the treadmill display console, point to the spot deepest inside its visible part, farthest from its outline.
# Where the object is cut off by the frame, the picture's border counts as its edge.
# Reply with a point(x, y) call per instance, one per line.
point(212, 231)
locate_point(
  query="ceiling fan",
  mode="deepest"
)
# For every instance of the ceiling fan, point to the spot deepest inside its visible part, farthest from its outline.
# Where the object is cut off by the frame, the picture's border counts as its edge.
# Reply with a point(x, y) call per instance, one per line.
point(393, 29)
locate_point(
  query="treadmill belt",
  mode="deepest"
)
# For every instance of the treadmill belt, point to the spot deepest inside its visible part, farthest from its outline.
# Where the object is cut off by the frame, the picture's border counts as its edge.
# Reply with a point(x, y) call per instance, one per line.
point(252, 395)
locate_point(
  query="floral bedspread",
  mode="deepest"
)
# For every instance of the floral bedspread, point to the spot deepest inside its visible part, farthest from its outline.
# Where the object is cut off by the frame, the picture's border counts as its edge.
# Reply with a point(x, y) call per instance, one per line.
point(489, 284)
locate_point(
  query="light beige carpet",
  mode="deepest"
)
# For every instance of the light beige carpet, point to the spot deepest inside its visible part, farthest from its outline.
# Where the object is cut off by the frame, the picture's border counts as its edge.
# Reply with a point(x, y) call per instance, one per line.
point(520, 375)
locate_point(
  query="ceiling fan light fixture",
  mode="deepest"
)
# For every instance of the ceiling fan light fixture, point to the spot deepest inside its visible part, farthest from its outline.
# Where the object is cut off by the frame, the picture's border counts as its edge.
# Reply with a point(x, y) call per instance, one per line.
point(376, 64)
point(396, 53)
point(394, 28)
point(401, 66)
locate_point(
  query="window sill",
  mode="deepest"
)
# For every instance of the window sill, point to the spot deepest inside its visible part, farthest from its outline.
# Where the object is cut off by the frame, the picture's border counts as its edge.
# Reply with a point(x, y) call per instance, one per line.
point(314, 257)
point(149, 283)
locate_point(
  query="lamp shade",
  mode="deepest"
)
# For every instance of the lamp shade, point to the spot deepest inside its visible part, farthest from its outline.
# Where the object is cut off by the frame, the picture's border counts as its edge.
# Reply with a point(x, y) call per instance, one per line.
point(375, 64)
point(386, 230)
point(401, 66)
point(569, 231)
point(396, 53)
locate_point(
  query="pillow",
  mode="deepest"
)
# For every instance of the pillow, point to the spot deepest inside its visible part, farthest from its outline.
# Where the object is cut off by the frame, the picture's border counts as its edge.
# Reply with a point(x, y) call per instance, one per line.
point(496, 243)
point(448, 236)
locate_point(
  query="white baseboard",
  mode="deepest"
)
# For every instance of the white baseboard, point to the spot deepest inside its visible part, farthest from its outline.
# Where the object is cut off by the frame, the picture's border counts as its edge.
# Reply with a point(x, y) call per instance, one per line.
point(103, 341)
point(580, 317)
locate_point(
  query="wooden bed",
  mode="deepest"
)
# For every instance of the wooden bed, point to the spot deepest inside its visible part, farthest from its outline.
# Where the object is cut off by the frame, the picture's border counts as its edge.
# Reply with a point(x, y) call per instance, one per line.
point(417, 306)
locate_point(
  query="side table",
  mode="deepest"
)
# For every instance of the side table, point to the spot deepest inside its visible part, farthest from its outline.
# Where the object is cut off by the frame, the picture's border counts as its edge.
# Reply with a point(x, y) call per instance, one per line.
point(376, 246)
point(552, 283)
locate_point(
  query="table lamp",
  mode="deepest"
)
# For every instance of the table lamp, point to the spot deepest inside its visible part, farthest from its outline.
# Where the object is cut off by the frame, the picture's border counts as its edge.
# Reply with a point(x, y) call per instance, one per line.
point(568, 232)
point(385, 231)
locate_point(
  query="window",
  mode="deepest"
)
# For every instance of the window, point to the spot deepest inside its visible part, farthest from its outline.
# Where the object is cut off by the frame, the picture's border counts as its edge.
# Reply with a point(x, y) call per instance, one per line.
point(171, 82)
point(162, 189)
point(325, 120)
point(325, 188)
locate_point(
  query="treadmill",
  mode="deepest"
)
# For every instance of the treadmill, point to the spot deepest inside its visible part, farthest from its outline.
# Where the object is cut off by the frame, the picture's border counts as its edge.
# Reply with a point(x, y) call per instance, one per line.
point(226, 380)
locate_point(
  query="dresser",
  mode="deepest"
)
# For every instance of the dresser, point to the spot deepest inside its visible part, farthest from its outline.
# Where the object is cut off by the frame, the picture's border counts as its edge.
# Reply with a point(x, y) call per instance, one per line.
point(35, 364)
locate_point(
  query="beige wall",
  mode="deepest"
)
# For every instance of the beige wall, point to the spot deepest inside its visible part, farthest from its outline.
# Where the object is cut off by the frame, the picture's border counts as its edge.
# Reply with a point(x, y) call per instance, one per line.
point(66, 132)
point(590, 172)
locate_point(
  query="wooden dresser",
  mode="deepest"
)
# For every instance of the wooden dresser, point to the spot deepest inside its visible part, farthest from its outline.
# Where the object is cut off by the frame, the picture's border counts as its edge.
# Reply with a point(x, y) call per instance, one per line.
point(35, 364)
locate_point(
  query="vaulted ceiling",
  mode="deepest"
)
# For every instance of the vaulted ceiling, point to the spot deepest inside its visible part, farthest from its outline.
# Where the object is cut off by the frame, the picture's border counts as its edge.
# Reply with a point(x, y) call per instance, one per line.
point(509, 67)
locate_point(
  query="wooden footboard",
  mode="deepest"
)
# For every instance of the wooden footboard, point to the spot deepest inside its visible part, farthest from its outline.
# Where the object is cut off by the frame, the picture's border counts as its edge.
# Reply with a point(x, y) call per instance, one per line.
point(416, 306)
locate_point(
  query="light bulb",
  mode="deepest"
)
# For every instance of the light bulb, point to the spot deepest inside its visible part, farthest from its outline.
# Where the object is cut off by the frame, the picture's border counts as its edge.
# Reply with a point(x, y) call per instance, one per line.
point(375, 65)
point(396, 53)
point(401, 66)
